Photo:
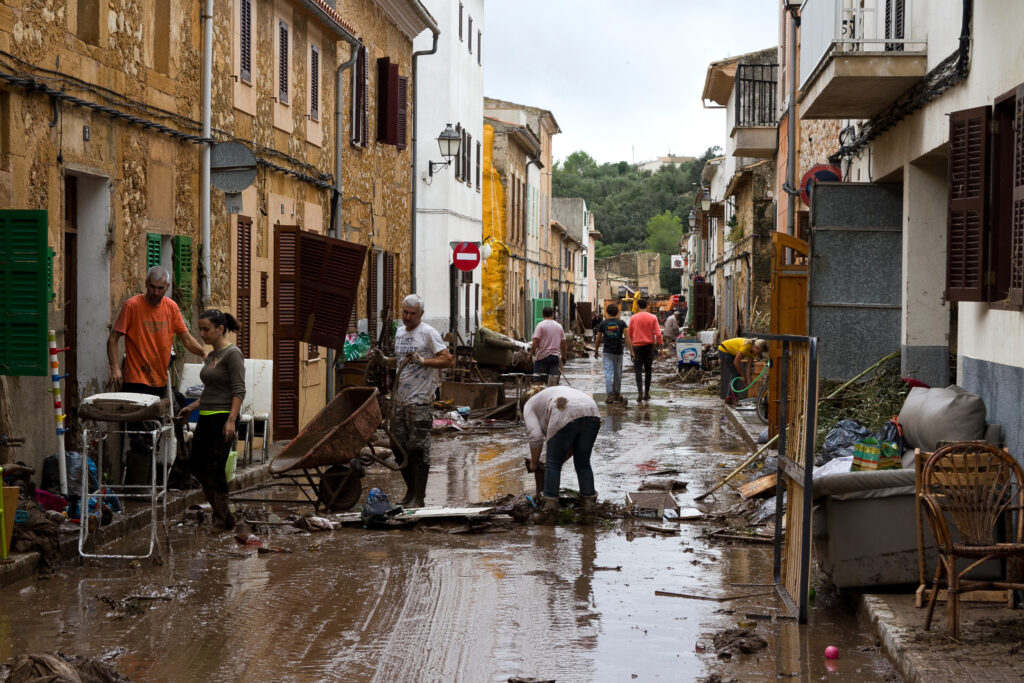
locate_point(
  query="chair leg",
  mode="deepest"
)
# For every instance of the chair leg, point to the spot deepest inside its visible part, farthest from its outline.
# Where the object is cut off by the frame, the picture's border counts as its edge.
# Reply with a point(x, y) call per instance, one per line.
point(953, 605)
point(934, 595)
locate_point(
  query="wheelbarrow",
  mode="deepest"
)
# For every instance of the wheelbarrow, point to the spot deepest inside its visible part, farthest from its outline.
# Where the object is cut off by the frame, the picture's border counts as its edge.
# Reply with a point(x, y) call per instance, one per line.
point(325, 456)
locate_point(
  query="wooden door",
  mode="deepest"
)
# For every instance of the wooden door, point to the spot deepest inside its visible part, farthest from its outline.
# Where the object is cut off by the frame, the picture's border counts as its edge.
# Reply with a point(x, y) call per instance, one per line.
point(789, 306)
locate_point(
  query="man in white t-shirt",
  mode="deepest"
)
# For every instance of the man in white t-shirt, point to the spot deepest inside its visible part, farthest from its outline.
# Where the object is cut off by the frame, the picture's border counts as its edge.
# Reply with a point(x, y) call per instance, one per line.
point(424, 353)
point(548, 348)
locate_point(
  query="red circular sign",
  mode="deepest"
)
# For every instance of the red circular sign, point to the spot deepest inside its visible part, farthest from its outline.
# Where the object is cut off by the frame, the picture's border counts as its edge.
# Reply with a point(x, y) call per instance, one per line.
point(466, 256)
point(822, 173)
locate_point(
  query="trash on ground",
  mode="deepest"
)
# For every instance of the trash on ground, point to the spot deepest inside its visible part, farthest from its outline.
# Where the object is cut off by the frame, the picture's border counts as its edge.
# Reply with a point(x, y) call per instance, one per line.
point(650, 503)
point(663, 485)
point(736, 641)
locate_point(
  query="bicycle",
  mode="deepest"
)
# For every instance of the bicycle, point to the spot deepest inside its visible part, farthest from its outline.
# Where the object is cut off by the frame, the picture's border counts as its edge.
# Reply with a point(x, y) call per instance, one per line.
point(762, 404)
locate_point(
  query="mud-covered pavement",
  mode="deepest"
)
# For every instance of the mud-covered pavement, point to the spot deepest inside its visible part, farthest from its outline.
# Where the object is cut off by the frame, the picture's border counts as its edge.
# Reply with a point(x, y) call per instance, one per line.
point(570, 603)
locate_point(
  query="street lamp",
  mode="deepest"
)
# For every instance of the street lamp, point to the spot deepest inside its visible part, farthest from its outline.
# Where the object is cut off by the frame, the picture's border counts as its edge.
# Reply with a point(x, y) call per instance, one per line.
point(692, 219)
point(449, 141)
point(705, 201)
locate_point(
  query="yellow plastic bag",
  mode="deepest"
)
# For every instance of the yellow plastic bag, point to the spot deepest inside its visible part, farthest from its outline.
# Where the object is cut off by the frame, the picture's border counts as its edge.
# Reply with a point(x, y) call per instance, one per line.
point(229, 466)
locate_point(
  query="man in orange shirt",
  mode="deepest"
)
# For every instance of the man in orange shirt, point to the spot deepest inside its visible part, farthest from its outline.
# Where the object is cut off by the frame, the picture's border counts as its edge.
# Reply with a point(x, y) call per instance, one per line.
point(644, 331)
point(148, 322)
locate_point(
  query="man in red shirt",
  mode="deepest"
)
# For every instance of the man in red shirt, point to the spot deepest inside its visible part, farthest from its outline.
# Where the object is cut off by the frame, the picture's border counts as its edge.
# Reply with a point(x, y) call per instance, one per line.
point(148, 322)
point(644, 333)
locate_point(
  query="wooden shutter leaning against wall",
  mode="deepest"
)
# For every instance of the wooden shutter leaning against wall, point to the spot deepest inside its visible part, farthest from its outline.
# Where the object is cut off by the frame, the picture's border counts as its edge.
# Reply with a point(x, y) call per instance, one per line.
point(1017, 206)
point(966, 262)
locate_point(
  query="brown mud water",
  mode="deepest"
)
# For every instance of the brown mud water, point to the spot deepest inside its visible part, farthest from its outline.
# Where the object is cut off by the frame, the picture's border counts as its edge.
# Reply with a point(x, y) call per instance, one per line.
point(574, 602)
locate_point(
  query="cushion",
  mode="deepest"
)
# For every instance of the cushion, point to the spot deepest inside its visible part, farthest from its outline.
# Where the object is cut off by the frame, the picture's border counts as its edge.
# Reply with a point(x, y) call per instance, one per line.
point(933, 415)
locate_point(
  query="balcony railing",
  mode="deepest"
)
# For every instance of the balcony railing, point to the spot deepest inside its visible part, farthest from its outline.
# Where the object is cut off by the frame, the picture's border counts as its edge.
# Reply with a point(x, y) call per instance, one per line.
point(755, 94)
point(853, 26)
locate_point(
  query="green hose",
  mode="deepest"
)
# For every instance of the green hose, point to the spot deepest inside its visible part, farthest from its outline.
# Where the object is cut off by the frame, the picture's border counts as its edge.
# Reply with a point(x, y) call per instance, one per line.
point(732, 384)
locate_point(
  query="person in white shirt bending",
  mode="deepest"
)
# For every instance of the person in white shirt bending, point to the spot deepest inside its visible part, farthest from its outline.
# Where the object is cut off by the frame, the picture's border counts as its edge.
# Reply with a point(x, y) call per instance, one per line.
point(567, 421)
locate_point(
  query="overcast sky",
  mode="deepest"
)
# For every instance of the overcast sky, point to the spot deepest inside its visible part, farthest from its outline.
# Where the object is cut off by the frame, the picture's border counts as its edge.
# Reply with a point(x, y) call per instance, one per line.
point(622, 77)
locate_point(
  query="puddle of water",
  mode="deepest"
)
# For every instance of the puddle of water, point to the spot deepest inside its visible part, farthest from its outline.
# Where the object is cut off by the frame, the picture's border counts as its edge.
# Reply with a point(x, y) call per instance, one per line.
point(428, 605)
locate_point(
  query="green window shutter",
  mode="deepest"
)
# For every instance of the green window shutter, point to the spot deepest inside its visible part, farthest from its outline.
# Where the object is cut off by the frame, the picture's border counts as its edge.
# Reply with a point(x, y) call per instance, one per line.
point(183, 269)
point(23, 293)
point(153, 241)
point(50, 294)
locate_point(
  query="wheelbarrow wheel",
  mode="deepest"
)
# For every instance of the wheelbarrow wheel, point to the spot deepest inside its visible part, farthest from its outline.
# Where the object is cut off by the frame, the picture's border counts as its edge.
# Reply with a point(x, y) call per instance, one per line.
point(340, 488)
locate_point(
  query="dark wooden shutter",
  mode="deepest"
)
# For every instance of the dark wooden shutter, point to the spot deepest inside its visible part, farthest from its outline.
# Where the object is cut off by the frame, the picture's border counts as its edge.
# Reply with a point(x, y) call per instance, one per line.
point(245, 40)
point(23, 293)
point(314, 84)
point(286, 331)
point(282, 64)
point(966, 261)
point(243, 280)
point(401, 112)
point(479, 149)
point(383, 71)
point(329, 272)
point(392, 105)
point(469, 159)
point(458, 157)
point(1016, 294)
point(360, 109)
point(479, 47)
point(460, 21)
point(388, 304)
point(371, 298)
point(469, 35)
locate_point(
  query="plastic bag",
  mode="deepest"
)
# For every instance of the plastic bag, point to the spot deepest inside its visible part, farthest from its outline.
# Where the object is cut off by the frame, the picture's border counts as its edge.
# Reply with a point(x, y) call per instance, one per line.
point(73, 464)
point(841, 440)
point(230, 465)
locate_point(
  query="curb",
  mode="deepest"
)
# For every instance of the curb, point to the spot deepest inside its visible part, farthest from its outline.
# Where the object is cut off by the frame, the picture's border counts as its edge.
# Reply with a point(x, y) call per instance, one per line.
point(749, 437)
point(877, 613)
point(26, 565)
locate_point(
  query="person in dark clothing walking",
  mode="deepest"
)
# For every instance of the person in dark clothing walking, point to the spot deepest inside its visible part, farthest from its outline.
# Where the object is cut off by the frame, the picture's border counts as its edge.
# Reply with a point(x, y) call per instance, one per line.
point(612, 331)
point(223, 377)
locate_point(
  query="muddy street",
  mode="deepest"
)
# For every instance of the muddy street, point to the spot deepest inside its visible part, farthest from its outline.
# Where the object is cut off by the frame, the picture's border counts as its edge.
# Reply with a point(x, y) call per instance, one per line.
point(569, 603)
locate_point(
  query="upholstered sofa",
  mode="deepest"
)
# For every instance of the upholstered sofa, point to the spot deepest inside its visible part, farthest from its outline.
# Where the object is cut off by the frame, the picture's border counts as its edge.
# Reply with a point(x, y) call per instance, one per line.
point(865, 524)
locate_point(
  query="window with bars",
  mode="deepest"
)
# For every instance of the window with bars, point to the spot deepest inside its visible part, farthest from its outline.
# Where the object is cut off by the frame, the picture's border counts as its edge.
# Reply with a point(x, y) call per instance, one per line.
point(360, 102)
point(314, 83)
point(282, 63)
point(245, 39)
point(985, 236)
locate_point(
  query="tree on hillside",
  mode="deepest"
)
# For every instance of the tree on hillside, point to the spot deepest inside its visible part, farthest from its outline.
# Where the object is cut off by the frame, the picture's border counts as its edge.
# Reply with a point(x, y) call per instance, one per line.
point(664, 232)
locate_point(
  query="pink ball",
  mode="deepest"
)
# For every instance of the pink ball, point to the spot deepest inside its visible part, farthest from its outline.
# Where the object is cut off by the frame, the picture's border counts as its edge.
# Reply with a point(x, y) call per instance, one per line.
point(831, 652)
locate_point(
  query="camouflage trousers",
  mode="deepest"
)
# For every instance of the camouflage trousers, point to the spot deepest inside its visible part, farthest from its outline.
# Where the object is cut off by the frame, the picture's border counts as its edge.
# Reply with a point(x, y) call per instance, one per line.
point(411, 429)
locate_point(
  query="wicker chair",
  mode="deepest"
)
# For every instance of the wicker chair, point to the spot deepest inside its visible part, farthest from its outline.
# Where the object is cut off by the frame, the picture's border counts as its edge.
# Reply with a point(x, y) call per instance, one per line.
point(969, 489)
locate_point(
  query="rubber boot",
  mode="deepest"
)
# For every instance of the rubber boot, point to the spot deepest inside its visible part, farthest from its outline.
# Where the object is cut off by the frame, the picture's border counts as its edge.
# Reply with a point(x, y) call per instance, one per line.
point(548, 513)
point(538, 480)
point(209, 493)
point(588, 505)
point(410, 487)
point(222, 512)
point(420, 485)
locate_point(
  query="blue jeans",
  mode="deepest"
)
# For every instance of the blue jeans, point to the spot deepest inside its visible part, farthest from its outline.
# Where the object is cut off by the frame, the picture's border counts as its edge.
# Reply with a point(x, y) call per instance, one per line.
point(545, 368)
point(612, 373)
point(575, 439)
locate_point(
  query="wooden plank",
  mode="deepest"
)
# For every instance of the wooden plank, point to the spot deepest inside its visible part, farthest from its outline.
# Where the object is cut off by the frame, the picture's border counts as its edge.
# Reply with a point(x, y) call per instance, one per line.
point(762, 486)
point(923, 594)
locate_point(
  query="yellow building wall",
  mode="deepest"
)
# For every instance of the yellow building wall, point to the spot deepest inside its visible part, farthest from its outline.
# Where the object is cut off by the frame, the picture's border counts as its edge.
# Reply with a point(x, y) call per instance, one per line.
point(495, 271)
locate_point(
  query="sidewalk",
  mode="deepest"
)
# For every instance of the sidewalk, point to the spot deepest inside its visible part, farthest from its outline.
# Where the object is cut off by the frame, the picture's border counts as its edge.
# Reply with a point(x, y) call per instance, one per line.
point(25, 565)
point(991, 641)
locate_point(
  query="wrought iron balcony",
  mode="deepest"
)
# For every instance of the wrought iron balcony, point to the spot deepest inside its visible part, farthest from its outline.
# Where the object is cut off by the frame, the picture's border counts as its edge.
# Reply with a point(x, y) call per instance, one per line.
point(756, 115)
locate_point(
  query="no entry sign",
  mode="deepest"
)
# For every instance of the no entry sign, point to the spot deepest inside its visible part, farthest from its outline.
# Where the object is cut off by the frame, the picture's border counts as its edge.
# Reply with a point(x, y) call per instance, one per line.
point(466, 255)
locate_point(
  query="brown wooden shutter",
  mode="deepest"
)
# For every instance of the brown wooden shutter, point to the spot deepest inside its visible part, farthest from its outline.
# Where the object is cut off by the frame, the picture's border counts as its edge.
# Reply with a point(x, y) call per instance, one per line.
point(1017, 207)
point(479, 148)
point(243, 280)
point(245, 40)
point(402, 114)
point(360, 110)
point(468, 159)
point(364, 128)
point(458, 157)
point(383, 69)
point(371, 298)
point(286, 343)
point(389, 284)
point(282, 63)
point(966, 261)
point(329, 272)
point(314, 83)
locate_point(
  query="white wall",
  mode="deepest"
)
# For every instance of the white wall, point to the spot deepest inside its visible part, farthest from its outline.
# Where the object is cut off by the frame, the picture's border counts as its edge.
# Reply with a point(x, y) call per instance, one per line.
point(450, 91)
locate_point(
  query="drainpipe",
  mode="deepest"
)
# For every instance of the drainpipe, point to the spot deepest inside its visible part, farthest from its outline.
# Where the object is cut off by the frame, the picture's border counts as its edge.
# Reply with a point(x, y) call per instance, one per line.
point(339, 145)
point(415, 121)
point(204, 172)
point(790, 184)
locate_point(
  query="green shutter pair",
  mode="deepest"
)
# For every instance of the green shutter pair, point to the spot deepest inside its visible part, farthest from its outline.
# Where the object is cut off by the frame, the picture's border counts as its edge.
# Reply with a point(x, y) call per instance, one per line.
point(26, 288)
point(182, 260)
